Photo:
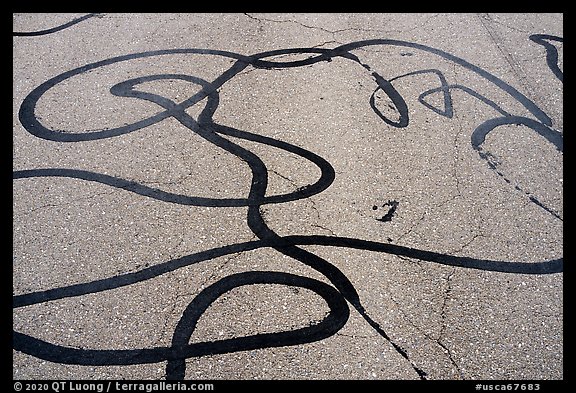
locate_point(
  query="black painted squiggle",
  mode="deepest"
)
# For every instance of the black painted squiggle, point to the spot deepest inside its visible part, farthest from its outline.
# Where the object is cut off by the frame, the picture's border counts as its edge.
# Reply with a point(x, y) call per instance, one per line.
point(53, 29)
point(341, 289)
point(444, 88)
point(551, 52)
point(397, 100)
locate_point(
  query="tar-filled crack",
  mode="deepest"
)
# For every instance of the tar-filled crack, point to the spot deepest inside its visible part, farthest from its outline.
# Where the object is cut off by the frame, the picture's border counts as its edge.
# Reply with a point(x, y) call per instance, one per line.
point(376, 326)
point(493, 163)
point(437, 339)
point(288, 55)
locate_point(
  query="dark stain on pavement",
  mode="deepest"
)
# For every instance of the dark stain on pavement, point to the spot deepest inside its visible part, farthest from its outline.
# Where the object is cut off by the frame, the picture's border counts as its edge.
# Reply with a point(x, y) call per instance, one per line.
point(391, 206)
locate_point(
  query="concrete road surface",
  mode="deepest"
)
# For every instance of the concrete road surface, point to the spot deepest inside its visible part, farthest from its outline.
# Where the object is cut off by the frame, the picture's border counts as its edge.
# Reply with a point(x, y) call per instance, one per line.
point(288, 196)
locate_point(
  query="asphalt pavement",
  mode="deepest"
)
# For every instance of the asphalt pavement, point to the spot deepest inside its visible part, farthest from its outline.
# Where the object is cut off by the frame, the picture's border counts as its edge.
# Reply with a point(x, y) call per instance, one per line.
point(288, 196)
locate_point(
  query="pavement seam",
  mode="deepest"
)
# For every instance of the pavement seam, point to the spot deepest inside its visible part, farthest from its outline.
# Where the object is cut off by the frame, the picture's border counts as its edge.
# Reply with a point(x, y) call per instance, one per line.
point(514, 65)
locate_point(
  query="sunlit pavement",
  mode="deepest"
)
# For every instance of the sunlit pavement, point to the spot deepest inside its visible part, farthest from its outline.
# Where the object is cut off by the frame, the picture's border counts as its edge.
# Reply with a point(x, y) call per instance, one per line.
point(288, 196)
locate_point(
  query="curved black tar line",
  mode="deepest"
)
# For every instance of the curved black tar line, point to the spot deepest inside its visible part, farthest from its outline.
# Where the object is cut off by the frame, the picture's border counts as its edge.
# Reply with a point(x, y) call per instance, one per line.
point(545, 267)
point(521, 98)
point(551, 52)
point(214, 133)
point(182, 349)
point(479, 134)
point(53, 29)
point(334, 321)
point(30, 122)
point(444, 88)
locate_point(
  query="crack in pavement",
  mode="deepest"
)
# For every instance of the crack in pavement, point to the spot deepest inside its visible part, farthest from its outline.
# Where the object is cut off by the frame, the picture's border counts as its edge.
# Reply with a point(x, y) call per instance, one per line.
point(68, 202)
point(438, 339)
point(333, 32)
point(419, 25)
point(443, 326)
point(309, 201)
